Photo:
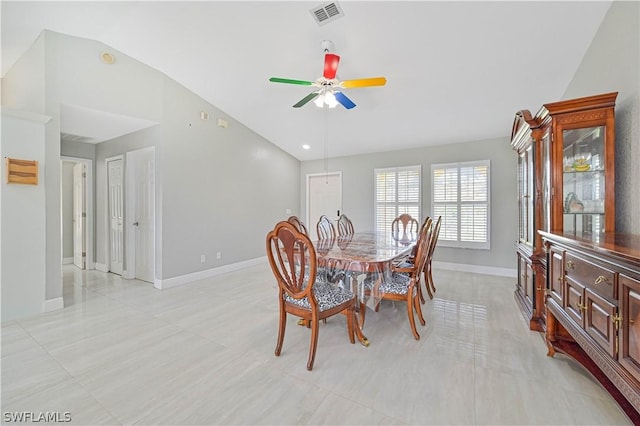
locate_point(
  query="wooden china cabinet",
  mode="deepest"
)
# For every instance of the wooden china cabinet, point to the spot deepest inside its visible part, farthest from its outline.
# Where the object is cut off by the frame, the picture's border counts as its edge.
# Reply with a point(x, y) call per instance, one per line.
point(565, 183)
point(578, 280)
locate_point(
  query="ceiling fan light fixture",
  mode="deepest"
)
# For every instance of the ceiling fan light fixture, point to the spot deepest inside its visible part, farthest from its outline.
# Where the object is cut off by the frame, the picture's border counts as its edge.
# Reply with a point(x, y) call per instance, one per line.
point(330, 99)
point(319, 101)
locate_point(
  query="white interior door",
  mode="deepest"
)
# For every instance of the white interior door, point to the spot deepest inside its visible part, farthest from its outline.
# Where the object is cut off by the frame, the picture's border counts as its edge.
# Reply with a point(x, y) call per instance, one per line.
point(144, 212)
point(324, 197)
point(116, 212)
point(79, 215)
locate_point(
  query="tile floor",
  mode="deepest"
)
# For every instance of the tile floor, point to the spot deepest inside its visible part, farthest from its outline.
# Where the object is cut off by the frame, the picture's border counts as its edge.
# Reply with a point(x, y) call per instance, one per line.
point(121, 352)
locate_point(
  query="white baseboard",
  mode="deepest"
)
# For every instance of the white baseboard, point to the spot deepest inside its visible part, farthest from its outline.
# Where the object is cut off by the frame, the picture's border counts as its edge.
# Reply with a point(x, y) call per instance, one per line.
point(478, 269)
point(53, 304)
point(102, 267)
point(67, 260)
point(162, 284)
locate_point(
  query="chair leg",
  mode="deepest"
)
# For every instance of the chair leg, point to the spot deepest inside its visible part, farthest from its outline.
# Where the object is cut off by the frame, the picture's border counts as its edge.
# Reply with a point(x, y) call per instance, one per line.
point(314, 343)
point(420, 289)
point(425, 275)
point(281, 329)
point(412, 320)
point(351, 318)
point(430, 282)
point(418, 309)
point(361, 313)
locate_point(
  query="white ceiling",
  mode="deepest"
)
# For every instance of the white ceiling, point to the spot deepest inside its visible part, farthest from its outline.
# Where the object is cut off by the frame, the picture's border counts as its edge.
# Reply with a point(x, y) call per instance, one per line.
point(456, 71)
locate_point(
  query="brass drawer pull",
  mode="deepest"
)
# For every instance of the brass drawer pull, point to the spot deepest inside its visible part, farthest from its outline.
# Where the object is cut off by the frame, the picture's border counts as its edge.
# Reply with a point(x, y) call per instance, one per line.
point(601, 279)
point(581, 307)
point(570, 265)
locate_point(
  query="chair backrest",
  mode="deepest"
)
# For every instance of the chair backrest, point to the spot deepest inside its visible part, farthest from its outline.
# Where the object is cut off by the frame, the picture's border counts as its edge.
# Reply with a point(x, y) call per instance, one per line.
point(345, 226)
point(404, 225)
point(293, 261)
point(434, 238)
point(325, 228)
point(295, 220)
point(423, 244)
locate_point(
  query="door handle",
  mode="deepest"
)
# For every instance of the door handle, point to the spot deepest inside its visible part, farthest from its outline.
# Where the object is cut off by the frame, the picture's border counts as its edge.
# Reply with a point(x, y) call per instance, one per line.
point(135, 224)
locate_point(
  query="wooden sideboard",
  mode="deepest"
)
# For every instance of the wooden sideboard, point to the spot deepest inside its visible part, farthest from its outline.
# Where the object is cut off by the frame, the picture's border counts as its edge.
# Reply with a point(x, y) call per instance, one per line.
point(593, 308)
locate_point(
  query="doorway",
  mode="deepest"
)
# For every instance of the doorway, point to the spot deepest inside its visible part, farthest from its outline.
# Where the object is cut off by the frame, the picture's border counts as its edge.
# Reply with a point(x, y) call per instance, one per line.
point(77, 208)
point(324, 197)
point(140, 213)
point(115, 203)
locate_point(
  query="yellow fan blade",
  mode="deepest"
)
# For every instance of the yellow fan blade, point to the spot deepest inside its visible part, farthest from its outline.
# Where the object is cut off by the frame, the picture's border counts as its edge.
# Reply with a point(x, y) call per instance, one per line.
point(364, 82)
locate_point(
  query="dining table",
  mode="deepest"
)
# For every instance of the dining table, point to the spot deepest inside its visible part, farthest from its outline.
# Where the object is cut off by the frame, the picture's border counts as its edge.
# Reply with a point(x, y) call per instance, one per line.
point(359, 258)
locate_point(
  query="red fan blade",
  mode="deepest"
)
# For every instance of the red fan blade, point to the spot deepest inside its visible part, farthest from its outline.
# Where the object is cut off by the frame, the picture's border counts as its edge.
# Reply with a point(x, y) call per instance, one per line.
point(331, 61)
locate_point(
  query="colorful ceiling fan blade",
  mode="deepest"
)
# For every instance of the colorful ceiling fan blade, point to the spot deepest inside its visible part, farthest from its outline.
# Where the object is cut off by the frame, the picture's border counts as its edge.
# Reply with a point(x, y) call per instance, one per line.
point(311, 96)
point(290, 81)
point(344, 101)
point(364, 82)
point(331, 61)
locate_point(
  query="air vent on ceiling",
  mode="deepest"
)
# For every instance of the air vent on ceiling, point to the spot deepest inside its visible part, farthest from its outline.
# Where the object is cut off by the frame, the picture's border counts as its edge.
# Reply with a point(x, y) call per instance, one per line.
point(327, 12)
point(76, 138)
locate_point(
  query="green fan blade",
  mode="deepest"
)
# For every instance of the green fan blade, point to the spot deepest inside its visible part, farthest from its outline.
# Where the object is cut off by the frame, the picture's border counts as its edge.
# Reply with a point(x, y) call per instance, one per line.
point(290, 81)
point(311, 96)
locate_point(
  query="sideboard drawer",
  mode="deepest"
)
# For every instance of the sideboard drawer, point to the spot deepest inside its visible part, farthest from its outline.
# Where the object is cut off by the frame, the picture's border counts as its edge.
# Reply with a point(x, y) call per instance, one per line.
point(598, 278)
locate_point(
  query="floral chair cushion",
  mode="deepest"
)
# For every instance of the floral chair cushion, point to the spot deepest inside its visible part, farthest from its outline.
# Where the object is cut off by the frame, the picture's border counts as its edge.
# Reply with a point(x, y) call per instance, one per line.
point(327, 295)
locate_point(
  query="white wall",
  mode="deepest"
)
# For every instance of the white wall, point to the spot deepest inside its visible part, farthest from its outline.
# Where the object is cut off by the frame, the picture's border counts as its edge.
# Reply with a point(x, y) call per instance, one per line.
point(66, 182)
point(23, 218)
point(217, 189)
point(612, 64)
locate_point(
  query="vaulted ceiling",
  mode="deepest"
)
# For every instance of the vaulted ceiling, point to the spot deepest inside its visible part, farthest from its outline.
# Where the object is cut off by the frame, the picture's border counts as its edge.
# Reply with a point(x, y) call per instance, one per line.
point(456, 71)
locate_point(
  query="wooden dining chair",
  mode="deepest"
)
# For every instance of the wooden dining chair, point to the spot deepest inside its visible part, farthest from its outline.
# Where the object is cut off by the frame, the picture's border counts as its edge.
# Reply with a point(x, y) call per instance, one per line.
point(292, 258)
point(428, 276)
point(403, 284)
point(404, 226)
point(345, 226)
point(295, 220)
point(325, 228)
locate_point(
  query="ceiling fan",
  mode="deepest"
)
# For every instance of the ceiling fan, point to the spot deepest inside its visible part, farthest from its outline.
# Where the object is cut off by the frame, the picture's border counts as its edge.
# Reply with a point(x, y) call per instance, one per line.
point(329, 87)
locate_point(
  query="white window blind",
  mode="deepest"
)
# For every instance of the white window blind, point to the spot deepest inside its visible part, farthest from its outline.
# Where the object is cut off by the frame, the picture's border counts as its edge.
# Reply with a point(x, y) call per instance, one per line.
point(397, 192)
point(460, 194)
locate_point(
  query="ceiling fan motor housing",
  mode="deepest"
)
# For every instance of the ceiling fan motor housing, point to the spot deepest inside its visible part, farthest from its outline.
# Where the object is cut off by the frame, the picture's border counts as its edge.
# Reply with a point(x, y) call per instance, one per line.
point(327, 46)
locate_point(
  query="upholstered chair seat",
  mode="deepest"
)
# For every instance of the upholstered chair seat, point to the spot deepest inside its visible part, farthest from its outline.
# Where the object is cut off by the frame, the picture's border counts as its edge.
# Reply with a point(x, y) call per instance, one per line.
point(327, 295)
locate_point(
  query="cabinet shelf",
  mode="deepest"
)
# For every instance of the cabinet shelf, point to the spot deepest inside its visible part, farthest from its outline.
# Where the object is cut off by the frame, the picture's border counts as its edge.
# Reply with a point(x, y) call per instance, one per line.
point(600, 213)
point(586, 172)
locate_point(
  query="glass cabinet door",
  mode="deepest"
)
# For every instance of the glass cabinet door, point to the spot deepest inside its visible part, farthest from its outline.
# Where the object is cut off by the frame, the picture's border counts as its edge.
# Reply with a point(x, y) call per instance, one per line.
point(583, 164)
point(525, 196)
point(545, 170)
point(583, 179)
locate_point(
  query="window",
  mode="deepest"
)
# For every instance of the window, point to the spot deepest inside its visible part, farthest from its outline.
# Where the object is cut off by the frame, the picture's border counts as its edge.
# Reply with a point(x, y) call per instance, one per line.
point(460, 194)
point(397, 191)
